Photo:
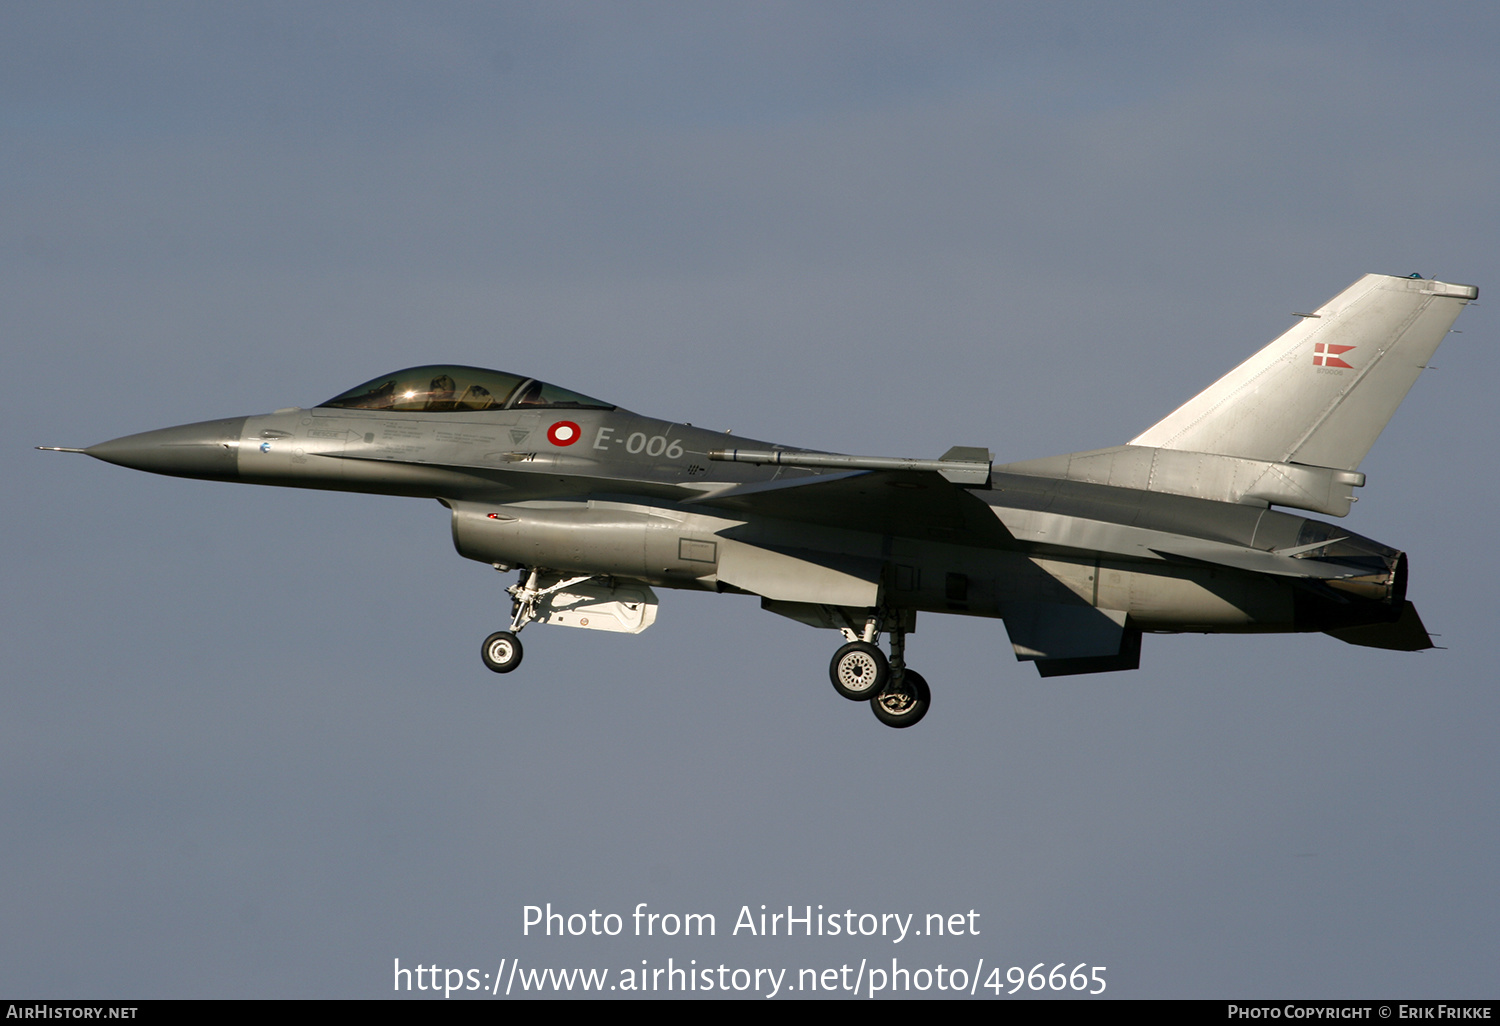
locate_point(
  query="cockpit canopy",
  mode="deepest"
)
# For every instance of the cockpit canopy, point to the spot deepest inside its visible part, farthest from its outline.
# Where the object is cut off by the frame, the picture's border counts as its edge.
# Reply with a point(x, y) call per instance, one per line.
point(451, 388)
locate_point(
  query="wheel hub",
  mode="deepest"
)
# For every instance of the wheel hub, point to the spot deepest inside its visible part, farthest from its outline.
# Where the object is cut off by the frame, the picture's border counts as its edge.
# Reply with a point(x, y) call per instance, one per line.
point(857, 671)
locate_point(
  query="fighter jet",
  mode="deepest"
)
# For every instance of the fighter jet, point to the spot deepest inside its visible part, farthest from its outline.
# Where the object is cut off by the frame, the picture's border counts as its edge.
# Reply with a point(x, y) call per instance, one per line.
point(1181, 529)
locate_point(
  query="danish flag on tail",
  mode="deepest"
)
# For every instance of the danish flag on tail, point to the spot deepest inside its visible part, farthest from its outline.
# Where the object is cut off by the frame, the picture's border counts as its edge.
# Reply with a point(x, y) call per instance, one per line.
point(1327, 355)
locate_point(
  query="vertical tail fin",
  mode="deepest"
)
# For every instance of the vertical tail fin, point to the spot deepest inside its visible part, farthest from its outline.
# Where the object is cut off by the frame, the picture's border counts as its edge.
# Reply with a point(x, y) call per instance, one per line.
point(1321, 393)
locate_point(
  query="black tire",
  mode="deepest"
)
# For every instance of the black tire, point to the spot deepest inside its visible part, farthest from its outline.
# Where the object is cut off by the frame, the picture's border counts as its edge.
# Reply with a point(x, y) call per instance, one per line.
point(904, 705)
point(859, 671)
point(501, 652)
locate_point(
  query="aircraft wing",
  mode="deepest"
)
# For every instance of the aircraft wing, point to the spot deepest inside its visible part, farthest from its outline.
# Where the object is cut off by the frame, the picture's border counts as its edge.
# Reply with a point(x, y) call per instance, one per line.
point(907, 503)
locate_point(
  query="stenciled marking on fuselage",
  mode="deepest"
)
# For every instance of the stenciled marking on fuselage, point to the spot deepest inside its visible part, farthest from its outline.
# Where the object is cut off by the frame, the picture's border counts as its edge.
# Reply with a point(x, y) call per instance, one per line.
point(638, 442)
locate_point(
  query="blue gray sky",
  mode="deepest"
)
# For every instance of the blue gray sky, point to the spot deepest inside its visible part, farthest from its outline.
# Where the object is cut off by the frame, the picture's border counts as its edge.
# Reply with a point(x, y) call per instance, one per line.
point(246, 744)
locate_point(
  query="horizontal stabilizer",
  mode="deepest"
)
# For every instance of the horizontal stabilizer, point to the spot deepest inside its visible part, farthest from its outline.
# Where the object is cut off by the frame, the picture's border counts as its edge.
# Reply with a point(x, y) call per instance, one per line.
point(1321, 393)
point(1406, 634)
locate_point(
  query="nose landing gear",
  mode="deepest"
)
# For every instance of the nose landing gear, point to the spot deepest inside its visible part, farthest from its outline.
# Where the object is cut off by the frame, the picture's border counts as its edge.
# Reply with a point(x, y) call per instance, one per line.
point(502, 650)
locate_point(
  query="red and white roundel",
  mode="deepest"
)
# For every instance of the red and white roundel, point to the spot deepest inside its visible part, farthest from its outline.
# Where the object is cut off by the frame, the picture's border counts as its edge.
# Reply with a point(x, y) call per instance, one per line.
point(564, 432)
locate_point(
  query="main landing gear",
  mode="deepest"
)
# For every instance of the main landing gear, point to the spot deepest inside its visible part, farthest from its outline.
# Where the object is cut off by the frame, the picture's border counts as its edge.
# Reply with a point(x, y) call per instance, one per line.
point(861, 672)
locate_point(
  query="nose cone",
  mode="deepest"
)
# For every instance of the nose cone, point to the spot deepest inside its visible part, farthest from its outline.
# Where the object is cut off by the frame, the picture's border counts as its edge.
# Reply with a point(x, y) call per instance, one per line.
point(208, 450)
